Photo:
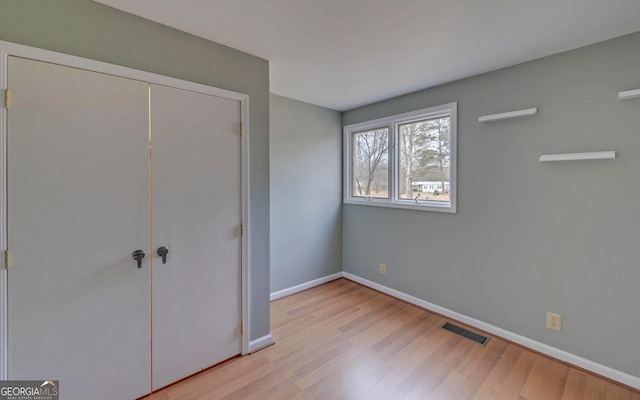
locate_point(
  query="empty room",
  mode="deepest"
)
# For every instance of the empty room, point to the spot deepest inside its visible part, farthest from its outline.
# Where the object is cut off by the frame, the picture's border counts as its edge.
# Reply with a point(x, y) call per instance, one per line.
point(310, 199)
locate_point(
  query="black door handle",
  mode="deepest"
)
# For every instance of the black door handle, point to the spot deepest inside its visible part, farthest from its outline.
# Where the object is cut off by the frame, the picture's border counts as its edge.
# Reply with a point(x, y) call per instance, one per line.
point(162, 252)
point(138, 255)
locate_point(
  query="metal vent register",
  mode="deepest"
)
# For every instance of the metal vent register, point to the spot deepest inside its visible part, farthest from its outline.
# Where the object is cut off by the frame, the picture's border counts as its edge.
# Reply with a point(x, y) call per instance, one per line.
point(467, 334)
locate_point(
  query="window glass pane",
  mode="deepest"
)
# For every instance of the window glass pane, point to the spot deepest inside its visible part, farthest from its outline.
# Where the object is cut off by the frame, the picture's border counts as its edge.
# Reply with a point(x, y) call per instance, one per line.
point(424, 158)
point(369, 163)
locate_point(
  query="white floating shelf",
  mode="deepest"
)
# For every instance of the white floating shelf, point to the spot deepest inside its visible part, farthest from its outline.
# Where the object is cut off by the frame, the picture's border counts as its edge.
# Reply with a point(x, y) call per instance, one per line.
point(629, 94)
point(596, 155)
point(507, 115)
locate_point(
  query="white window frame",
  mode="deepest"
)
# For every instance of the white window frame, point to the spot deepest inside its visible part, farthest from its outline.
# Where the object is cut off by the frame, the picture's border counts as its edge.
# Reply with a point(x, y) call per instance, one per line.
point(392, 122)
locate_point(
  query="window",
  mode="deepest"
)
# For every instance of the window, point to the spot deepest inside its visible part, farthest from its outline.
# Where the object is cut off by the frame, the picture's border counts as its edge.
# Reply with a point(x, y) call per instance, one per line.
point(370, 163)
point(403, 161)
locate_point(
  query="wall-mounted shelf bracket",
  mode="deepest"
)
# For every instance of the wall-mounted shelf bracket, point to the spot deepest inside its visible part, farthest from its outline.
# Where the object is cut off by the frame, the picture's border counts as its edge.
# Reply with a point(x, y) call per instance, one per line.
point(629, 94)
point(596, 155)
point(508, 115)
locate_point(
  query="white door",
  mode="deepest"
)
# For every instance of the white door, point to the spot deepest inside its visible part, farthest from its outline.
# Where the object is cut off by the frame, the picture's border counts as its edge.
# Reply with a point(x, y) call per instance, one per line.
point(196, 208)
point(78, 198)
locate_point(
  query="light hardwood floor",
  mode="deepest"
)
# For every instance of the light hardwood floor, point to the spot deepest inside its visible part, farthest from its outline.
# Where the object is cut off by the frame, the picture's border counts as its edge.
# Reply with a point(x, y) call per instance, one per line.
point(345, 341)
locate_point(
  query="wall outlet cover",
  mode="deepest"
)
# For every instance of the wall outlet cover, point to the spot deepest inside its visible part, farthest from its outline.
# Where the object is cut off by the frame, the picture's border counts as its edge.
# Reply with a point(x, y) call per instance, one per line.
point(554, 321)
point(383, 269)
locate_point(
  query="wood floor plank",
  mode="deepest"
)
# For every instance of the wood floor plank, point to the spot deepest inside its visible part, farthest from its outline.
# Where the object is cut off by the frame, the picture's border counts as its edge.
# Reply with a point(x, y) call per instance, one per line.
point(508, 377)
point(397, 384)
point(343, 341)
point(546, 380)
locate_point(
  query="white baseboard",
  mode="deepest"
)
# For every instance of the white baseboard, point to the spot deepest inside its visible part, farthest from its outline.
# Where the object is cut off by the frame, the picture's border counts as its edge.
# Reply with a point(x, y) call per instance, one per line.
point(618, 376)
point(304, 286)
point(260, 343)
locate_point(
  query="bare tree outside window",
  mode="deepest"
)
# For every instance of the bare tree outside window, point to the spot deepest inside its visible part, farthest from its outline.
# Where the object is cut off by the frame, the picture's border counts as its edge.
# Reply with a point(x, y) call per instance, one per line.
point(370, 171)
point(424, 159)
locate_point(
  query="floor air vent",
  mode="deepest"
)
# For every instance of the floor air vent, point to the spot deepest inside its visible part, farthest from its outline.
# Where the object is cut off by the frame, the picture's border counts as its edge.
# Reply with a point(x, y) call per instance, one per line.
point(467, 334)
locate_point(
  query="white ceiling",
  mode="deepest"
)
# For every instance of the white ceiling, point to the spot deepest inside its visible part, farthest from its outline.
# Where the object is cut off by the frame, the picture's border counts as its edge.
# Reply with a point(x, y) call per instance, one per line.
point(343, 54)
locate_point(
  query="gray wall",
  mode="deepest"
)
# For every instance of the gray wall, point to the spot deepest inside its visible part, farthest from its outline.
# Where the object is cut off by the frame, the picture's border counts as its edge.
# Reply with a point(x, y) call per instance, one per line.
point(88, 29)
point(306, 195)
point(529, 237)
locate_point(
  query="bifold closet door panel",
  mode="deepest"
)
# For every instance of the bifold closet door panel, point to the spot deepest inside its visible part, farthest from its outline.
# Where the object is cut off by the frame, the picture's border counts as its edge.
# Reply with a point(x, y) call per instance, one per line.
point(78, 198)
point(196, 214)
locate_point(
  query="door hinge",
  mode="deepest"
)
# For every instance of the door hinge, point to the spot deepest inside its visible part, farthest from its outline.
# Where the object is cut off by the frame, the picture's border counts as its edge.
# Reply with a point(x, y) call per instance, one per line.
point(6, 99)
point(241, 229)
point(240, 128)
point(6, 259)
point(241, 328)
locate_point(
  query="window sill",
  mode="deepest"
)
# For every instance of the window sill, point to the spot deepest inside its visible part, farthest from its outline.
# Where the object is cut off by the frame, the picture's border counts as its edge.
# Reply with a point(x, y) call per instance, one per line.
point(422, 206)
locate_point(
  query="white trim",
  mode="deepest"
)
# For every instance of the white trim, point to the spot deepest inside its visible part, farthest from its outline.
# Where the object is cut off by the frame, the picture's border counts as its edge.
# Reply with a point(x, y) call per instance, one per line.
point(508, 115)
point(260, 343)
point(428, 205)
point(618, 376)
point(304, 286)
point(34, 53)
point(13, 49)
point(4, 310)
point(629, 94)
point(596, 155)
point(246, 224)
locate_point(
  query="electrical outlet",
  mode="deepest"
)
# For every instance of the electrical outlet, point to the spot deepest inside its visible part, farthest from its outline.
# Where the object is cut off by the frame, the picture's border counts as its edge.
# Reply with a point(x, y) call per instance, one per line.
point(383, 269)
point(554, 321)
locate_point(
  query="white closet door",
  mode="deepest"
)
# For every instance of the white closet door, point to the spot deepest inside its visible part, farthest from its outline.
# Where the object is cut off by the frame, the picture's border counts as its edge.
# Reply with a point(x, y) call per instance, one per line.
point(78, 196)
point(196, 203)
